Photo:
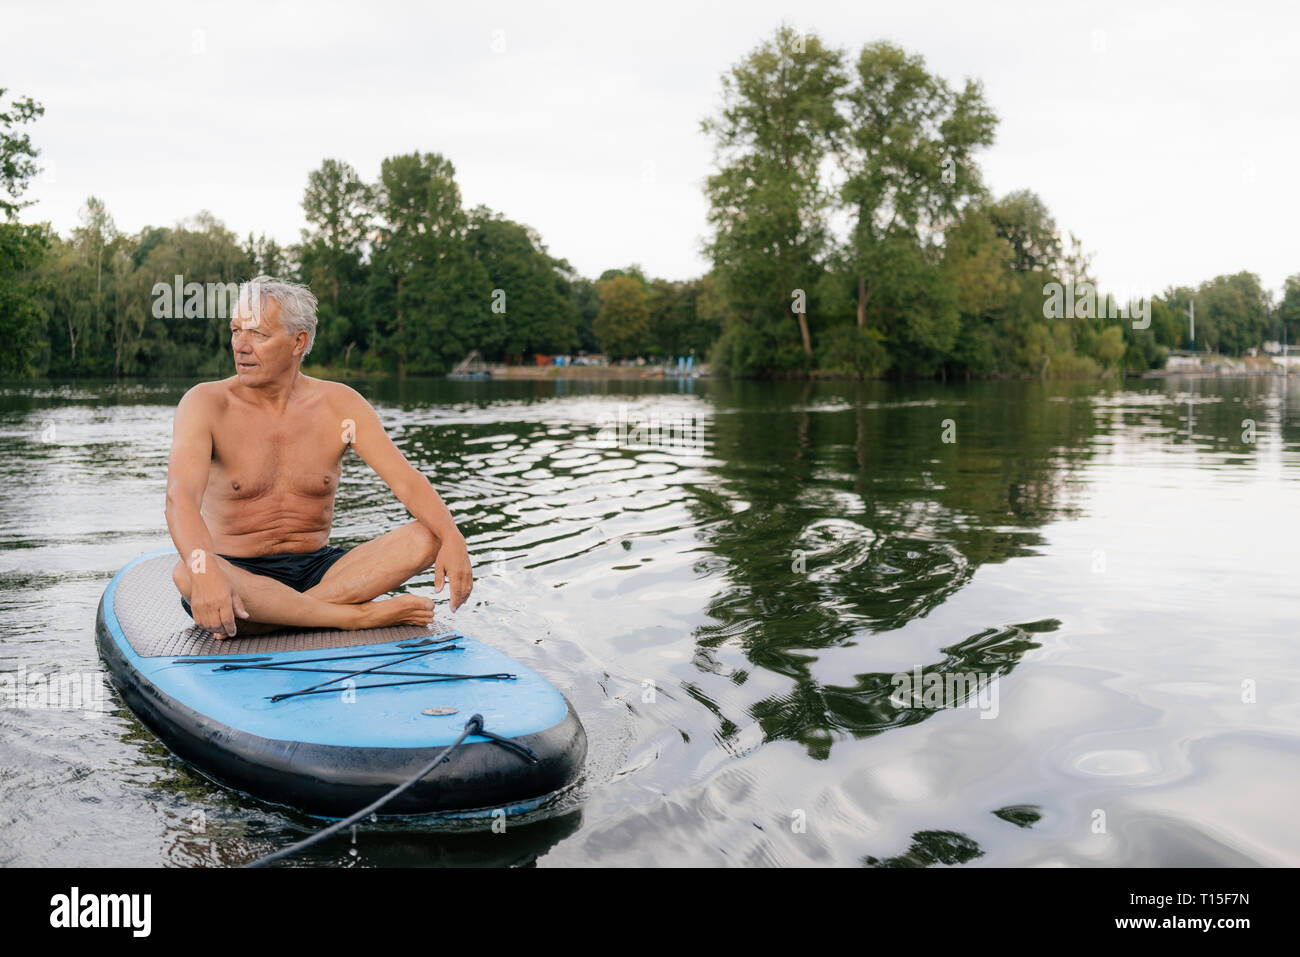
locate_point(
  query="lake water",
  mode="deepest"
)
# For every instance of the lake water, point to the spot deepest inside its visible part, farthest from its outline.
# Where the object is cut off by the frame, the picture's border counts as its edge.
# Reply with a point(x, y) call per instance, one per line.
point(736, 588)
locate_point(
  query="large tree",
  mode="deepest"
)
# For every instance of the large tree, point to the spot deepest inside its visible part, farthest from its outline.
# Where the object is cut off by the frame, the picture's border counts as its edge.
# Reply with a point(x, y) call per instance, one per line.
point(1232, 313)
point(768, 200)
point(339, 208)
point(96, 233)
point(907, 155)
point(532, 308)
point(427, 289)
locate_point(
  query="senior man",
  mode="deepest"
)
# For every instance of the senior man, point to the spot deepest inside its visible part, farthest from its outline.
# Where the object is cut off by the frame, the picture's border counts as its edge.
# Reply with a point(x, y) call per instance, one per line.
point(254, 468)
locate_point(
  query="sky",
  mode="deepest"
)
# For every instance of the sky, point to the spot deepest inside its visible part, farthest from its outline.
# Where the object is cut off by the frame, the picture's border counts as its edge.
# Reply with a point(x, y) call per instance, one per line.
point(1163, 136)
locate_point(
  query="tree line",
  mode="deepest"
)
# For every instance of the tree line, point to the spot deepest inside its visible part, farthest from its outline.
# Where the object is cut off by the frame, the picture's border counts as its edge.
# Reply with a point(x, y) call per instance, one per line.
point(850, 234)
point(407, 281)
point(929, 275)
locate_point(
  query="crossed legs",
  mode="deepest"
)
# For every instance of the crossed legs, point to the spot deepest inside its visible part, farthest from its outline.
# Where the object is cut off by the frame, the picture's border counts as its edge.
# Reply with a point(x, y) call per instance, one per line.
point(345, 596)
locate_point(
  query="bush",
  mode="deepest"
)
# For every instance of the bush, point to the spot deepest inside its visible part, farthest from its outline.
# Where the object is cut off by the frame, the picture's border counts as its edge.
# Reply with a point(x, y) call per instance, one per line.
point(1067, 365)
point(849, 349)
point(763, 348)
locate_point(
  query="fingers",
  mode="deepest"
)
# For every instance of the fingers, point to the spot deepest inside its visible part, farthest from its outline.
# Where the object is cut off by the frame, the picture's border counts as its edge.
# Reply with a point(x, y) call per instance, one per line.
point(213, 625)
point(461, 588)
point(228, 620)
point(439, 576)
point(239, 606)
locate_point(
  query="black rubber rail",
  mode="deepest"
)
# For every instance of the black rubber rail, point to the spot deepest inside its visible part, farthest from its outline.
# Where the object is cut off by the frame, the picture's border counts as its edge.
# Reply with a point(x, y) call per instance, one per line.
point(473, 726)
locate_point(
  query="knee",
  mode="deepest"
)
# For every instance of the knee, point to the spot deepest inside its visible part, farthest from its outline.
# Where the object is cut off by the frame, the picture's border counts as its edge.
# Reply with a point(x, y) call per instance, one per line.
point(426, 545)
point(181, 576)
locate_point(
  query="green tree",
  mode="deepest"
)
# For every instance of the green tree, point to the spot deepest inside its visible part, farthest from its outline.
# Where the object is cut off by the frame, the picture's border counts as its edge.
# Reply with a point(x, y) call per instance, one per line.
point(67, 293)
point(1288, 310)
point(1110, 346)
point(855, 350)
point(203, 251)
point(585, 302)
point(684, 316)
point(531, 308)
point(339, 208)
point(1233, 313)
point(907, 154)
point(96, 233)
point(979, 262)
point(21, 322)
point(1023, 220)
point(712, 312)
point(21, 246)
point(768, 201)
point(427, 291)
point(623, 324)
point(17, 155)
point(267, 257)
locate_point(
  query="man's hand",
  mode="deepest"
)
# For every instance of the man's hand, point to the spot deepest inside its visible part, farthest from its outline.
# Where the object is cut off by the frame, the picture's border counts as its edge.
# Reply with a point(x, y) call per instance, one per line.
point(452, 565)
point(215, 603)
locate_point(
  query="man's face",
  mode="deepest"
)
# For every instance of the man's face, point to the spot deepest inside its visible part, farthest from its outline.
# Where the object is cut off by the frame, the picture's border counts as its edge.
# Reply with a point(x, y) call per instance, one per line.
point(263, 350)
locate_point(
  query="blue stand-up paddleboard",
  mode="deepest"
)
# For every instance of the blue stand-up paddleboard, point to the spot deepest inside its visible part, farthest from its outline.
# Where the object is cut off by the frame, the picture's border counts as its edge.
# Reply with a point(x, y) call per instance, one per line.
point(330, 721)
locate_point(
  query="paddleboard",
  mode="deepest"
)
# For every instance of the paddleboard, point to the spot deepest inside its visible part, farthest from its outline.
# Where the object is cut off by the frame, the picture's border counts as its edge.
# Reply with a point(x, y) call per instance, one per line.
point(328, 721)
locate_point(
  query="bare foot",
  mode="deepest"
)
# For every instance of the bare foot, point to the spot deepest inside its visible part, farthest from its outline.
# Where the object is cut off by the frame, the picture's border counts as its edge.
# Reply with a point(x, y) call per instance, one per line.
point(402, 610)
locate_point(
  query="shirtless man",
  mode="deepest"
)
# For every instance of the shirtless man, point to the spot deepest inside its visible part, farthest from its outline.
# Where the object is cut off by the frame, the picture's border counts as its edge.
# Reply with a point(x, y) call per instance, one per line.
point(254, 467)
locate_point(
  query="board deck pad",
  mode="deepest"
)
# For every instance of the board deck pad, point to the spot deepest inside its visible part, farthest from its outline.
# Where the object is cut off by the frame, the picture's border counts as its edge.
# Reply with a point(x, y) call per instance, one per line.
point(149, 608)
point(329, 720)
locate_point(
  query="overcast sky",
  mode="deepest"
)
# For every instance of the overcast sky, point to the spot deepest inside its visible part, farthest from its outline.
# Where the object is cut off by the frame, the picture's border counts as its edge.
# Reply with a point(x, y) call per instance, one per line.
point(1165, 136)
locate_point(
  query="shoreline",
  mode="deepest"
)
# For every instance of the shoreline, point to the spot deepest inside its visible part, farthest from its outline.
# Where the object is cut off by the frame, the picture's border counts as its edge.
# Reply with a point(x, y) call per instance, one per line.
point(591, 372)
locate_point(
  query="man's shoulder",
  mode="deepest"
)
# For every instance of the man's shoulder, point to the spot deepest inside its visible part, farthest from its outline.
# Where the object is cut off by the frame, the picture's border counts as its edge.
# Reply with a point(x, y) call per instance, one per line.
point(338, 392)
point(208, 394)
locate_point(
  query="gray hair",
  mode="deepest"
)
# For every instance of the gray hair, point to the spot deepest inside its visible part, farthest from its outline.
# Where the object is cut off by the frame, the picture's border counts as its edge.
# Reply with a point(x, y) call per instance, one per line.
point(297, 304)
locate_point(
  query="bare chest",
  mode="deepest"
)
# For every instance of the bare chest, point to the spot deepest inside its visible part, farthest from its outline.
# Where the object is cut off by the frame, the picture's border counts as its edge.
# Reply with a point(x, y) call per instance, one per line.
point(302, 458)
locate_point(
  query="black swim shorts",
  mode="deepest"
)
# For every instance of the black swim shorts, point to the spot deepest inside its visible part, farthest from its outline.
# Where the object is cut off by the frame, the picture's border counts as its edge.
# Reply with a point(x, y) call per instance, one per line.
point(298, 570)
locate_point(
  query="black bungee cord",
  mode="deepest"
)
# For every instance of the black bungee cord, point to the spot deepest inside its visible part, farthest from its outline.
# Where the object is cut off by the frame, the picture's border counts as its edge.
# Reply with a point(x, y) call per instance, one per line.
point(473, 726)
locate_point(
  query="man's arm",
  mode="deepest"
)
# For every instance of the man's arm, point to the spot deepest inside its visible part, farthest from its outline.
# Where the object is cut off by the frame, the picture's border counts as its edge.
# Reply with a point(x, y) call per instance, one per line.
point(371, 442)
point(212, 599)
